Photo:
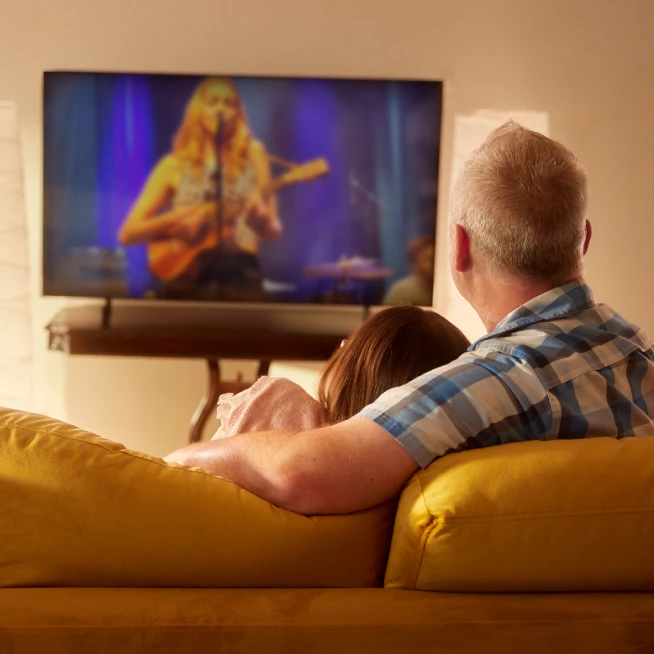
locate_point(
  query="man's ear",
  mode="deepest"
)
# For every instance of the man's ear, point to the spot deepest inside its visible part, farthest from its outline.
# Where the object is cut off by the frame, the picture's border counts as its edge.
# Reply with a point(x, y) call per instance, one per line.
point(462, 261)
point(589, 235)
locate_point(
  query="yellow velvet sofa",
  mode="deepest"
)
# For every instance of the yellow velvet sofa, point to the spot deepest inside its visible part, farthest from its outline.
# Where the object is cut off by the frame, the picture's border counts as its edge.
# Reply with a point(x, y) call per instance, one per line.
point(525, 547)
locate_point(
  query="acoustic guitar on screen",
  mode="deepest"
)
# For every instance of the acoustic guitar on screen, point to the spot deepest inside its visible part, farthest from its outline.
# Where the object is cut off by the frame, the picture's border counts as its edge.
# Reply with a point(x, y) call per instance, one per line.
point(171, 259)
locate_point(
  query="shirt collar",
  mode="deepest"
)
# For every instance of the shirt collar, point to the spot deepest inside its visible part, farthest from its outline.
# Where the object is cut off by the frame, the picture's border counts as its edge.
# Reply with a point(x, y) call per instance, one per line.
point(552, 305)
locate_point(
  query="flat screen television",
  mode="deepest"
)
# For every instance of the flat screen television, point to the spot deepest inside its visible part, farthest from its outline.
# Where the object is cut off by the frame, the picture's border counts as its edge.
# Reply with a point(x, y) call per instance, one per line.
point(240, 189)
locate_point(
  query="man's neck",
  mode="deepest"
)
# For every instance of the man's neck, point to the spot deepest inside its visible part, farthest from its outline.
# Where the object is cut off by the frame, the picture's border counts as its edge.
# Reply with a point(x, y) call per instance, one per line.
point(497, 298)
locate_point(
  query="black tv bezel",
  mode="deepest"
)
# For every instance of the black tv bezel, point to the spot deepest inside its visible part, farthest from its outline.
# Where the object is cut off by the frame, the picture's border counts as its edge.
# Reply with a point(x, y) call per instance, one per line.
point(219, 303)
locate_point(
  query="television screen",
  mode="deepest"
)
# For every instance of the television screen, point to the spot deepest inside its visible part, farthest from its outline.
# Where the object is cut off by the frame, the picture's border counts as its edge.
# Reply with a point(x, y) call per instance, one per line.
point(240, 188)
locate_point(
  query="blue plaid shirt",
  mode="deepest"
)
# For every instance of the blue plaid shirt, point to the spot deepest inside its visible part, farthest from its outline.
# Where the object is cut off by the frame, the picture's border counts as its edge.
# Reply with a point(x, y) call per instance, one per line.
point(560, 366)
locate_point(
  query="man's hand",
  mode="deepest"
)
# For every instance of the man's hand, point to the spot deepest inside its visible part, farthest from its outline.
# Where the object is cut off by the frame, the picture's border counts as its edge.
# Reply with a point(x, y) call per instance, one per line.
point(339, 469)
point(183, 457)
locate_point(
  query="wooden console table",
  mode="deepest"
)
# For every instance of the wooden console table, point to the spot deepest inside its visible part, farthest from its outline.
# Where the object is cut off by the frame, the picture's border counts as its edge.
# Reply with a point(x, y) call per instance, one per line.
point(80, 330)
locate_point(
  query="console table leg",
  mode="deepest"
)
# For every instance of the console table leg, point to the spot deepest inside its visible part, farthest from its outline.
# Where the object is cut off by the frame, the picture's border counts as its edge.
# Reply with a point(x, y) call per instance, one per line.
point(207, 404)
point(264, 367)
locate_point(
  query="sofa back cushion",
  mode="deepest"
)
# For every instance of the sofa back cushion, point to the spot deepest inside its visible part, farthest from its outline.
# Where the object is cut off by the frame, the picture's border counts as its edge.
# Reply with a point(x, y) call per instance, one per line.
point(574, 515)
point(77, 510)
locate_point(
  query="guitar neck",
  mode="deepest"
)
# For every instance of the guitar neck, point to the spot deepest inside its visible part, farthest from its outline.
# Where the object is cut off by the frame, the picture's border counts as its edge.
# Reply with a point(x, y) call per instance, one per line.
point(274, 185)
point(300, 173)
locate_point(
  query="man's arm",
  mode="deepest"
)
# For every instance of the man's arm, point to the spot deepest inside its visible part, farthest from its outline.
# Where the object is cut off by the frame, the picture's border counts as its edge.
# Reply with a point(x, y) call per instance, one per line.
point(339, 469)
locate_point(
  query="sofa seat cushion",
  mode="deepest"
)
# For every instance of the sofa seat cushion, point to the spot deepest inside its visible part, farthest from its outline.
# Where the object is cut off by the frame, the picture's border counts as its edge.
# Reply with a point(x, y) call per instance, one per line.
point(347, 621)
point(77, 510)
point(536, 516)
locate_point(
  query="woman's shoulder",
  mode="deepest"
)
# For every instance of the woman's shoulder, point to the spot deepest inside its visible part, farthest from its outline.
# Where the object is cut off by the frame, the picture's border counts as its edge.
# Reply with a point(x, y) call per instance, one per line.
point(275, 403)
point(170, 162)
point(279, 387)
point(257, 149)
point(168, 168)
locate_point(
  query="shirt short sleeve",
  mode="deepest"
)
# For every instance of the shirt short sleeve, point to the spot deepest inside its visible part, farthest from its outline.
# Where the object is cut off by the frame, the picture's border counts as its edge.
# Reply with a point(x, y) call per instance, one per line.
point(478, 400)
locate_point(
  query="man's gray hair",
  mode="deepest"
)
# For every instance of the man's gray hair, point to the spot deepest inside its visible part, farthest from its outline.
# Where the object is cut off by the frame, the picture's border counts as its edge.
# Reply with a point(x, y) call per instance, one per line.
point(522, 199)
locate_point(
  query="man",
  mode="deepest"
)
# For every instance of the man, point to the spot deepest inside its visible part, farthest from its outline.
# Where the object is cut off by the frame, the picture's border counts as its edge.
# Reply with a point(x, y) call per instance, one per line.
point(553, 365)
point(416, 288)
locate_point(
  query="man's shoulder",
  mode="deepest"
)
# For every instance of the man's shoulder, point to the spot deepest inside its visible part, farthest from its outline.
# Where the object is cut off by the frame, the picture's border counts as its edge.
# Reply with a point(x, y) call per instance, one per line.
point(482, 398)
point(614, 323)
point(410, 281)
point(559, 350)
point(408, 290)
point(404, 284)
point(481, 371)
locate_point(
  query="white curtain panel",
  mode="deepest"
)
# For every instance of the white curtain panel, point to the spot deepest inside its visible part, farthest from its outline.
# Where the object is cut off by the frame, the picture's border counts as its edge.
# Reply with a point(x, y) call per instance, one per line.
point(15, 315)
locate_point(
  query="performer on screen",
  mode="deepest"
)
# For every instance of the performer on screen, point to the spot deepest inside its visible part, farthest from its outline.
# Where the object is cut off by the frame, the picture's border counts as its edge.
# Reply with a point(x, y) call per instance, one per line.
point(207, 204)
point(416, 288)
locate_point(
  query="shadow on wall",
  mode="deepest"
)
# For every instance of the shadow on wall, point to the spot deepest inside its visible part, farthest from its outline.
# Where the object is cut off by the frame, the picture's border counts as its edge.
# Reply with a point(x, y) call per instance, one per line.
point(145, 404)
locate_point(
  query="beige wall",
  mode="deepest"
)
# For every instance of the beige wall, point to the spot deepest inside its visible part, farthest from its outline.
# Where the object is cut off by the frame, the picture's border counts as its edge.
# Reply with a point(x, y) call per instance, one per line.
point(586, 62)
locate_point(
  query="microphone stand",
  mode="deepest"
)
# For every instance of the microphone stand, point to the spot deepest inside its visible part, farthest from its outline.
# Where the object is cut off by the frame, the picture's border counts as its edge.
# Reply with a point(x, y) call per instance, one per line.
point(356, 187)
point(370, 200)
point(219, 197)
point(218, 144)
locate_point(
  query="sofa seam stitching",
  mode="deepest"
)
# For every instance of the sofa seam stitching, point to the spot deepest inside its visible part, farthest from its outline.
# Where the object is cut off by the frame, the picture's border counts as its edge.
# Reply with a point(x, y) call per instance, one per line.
point(551, 514)
point(434, 521)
